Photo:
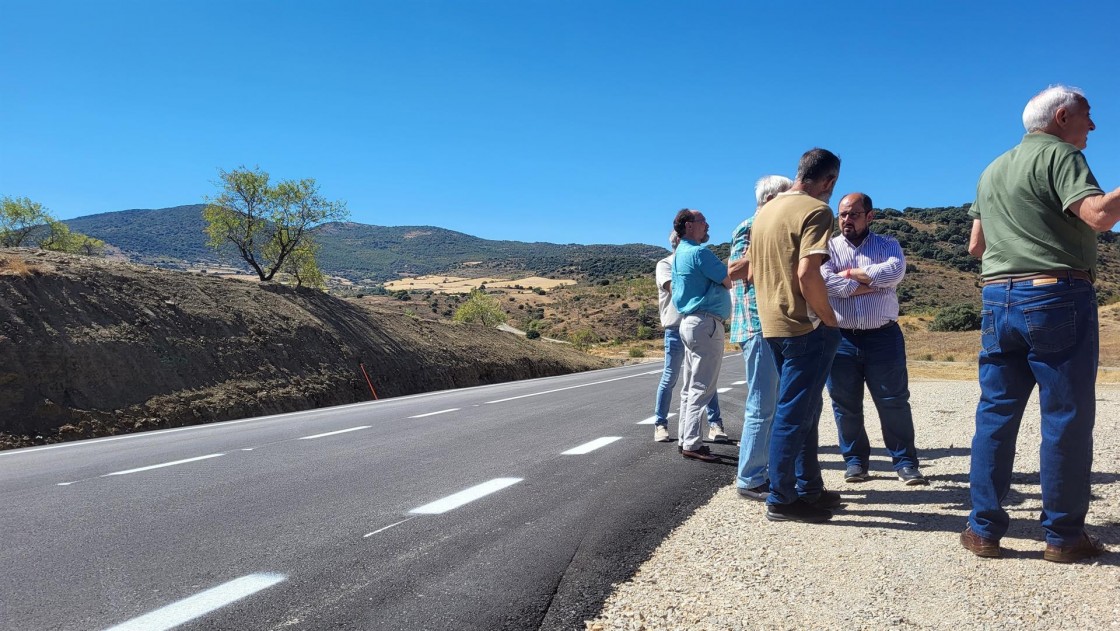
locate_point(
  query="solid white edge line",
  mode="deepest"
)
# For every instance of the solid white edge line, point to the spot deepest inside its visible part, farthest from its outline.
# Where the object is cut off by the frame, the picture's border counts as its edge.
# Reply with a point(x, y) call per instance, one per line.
point(465, 496)
point(160, 466)
point(341, 431)
point(581, 385)
point(290, 416)
point(386, 528)
point(202, 603)
point(589, 447)
point(434, 413)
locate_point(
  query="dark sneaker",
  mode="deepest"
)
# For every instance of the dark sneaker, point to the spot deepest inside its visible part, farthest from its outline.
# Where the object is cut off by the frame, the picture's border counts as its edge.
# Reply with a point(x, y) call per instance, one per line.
point(799, 510)
point(824, 499)
point(911, 476)
point(856, 473)
point(1086, 548)
point(981, 546)
point(757, 493)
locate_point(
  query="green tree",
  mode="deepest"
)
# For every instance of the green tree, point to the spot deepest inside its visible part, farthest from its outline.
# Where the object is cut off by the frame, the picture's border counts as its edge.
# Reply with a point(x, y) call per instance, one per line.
point(266, 222)
point(482, 308)
point(302, 267)
point(26, 223)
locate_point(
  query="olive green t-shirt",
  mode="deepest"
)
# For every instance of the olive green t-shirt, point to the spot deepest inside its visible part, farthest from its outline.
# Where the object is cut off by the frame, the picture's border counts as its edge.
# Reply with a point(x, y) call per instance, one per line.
point(1021, 203)
point(793, 226)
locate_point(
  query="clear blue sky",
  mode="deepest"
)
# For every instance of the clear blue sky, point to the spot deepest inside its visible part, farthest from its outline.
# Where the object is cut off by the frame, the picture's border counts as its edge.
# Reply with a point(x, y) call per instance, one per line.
point(569, 121)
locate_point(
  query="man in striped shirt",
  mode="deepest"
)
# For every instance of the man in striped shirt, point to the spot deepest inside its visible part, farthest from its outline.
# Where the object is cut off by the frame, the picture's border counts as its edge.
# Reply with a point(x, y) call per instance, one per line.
point(862, 272)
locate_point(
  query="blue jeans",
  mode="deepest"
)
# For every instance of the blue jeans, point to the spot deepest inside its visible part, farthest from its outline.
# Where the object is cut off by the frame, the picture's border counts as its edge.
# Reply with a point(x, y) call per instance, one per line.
point(803, 363)
point(1046, 334)
point(674, 357)
point(758, 412)
point(877, 358)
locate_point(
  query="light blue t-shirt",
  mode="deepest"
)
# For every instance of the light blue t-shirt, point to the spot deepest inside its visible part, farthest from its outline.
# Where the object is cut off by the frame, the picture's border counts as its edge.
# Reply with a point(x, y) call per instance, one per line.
point(698, 281)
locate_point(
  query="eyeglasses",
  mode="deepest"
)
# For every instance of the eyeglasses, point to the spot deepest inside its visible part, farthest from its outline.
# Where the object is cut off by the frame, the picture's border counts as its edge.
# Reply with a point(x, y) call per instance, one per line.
point(853, 215)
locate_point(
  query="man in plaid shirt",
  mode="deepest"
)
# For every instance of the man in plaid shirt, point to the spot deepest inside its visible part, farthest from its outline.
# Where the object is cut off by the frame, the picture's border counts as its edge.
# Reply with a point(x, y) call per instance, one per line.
point(762, 372)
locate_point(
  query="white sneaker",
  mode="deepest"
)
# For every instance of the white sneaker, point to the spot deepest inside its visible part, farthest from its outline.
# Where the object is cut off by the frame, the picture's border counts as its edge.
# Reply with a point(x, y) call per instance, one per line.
point(660, 434)
point(716, 433)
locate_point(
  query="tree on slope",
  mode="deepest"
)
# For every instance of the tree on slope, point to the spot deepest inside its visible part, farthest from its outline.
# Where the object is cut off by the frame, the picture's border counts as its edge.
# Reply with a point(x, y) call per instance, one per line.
point(268, 223)
point(482, 308)
point(24, 223)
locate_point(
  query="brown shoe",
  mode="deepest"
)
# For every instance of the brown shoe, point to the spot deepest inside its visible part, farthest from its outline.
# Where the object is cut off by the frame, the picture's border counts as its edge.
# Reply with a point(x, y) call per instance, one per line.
point(1087, 547)
point(981, 547)
point(703, 454)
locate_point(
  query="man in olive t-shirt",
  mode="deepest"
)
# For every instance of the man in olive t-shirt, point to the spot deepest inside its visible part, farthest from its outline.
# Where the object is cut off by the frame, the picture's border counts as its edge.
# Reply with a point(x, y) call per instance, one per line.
point(789, 242)
point(1038, 209)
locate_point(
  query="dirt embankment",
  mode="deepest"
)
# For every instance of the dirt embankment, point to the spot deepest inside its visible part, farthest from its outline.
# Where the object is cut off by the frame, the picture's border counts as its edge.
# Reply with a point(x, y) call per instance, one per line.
point(90, 347)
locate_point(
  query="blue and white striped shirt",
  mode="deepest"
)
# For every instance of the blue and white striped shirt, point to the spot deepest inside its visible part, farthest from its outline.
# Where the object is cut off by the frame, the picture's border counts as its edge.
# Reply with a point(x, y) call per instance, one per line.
point(881, 258)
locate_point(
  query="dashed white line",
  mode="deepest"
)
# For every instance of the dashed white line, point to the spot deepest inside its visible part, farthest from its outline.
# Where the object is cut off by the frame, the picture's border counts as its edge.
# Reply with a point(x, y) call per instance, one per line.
point(465, 496)
point(160, 466)
point(590, 446)
point(738, 383)
point(341, 431)
point(722, 390)
point(200, 604)
point(653, 419)
point(434, 413)
point(654, 372)
point(386, 528)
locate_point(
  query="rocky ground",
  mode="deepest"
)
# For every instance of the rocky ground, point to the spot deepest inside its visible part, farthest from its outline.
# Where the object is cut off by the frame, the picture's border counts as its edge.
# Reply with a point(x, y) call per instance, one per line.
point(92, 347)
point(890, 559)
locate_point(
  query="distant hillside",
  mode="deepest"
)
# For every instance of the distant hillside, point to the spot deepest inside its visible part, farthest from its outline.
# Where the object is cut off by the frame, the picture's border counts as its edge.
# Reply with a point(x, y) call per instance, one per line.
point(174, 237)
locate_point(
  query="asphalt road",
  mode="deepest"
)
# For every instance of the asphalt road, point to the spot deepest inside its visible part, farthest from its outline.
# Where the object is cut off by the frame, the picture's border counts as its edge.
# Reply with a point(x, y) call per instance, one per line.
point(450, 510)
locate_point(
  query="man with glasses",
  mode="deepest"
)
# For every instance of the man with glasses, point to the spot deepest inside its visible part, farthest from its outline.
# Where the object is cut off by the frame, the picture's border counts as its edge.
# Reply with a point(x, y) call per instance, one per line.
point(1035, 222)
point(674, 356)
point(862, 272)
point(700, 287)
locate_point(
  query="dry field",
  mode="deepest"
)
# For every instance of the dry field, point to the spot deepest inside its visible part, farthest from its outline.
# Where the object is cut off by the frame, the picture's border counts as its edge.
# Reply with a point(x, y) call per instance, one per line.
point(459, 285)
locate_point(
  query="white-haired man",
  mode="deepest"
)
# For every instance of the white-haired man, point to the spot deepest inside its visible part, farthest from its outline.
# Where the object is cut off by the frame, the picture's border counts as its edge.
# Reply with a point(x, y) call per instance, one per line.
point(762, 373)
point(1035, 222)
point(674, 355)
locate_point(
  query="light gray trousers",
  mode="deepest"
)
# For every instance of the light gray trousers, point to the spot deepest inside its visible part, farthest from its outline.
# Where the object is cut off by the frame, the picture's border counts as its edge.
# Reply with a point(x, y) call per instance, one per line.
point(702, 334)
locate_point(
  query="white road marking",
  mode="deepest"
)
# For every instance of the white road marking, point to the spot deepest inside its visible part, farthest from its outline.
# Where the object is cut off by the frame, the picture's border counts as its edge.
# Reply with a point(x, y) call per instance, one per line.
point(200, 604)
point(591, 446)
point(722, 390)
point(653, 419)
point(582, 385)
point(739, 383)
point(341, 431)
point(160, 466)
point(434, 413)
point(654, 372)
point(248, 448)
point(465, 496)
point(65, 483)
point(386, 528)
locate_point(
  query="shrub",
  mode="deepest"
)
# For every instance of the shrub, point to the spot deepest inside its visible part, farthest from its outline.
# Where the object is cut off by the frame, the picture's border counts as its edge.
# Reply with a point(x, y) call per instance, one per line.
point(637, 352)
point(959, 317)
point(532, 334)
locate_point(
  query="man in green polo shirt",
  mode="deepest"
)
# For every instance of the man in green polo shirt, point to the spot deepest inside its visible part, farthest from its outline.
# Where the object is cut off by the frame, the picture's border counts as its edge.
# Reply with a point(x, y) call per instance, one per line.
point(1035, 222)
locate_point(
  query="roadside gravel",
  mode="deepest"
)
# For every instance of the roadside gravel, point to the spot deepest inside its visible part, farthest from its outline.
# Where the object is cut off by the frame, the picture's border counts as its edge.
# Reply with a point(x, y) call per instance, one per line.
point(890, 559)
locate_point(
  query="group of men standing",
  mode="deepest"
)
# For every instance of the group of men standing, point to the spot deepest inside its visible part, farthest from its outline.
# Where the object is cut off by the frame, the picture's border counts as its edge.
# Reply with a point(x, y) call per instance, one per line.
point(810, 310)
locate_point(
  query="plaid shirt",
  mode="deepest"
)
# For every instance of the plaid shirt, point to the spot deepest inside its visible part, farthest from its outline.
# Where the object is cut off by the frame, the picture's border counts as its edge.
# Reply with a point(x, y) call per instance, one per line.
point(744, 310)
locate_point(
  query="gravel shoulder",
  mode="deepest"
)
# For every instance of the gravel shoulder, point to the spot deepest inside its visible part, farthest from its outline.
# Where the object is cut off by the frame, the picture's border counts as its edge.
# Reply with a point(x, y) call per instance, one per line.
point(890, 559)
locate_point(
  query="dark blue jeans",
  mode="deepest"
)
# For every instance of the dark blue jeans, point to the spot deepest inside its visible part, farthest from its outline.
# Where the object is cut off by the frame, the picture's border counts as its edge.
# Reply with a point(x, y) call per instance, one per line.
point(1045, 334)
point(803, 363)
point(878, 359)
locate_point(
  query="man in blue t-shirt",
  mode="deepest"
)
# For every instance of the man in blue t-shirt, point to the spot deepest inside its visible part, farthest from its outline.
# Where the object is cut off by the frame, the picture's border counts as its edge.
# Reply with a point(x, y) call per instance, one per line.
point(700, 293)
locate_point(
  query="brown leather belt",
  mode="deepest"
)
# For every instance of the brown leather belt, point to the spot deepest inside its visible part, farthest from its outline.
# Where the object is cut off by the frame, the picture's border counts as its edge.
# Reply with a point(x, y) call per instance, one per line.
point(1056, 275)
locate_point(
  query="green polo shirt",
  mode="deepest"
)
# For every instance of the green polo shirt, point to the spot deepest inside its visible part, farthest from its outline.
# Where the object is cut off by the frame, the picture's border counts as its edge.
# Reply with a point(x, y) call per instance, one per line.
point(1021, 203)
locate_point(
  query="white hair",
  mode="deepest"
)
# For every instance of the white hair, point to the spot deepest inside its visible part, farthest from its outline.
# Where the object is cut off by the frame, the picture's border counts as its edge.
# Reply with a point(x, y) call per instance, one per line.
point(770, 185)
point(1040, 110)
point(674, 240)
